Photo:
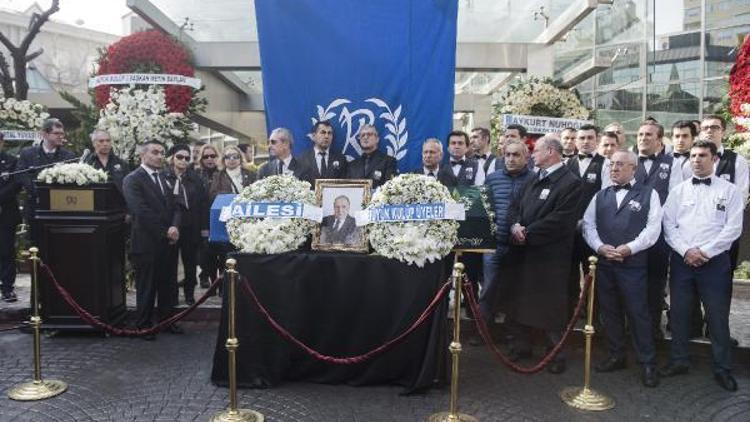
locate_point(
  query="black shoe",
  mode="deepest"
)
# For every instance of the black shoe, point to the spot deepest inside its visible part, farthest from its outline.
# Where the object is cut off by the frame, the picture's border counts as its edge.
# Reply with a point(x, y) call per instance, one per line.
point(611, 364)
point(556, 367)
point(10, 297)
point(726, 381)
point(204, 283)
point(649, 376)
point(516, 355)
point(190, 300)
point(174, 329)
point(673, 369)
point(149, 337)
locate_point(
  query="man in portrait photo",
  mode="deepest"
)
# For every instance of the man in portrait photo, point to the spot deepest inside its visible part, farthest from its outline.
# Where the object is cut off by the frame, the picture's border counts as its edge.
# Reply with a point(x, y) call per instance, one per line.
point(340, 227)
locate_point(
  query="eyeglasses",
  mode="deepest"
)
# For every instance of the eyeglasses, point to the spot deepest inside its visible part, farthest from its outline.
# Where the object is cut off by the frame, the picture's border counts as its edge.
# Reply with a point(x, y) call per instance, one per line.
point(710, 127)
point(367, 135)
point(208, 156)
point(182, 157)
point(232, 157)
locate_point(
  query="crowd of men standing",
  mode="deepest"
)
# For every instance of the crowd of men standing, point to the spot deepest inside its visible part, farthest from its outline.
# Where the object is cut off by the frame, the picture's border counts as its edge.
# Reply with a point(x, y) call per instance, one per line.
point(649, 213)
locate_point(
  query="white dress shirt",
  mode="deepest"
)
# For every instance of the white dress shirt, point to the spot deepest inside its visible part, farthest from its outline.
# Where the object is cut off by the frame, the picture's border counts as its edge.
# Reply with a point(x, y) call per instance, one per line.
point(705, 217)
point(583, 165)
point(457, 167)
point(318, 158)
point(645, 239)
point(151, 173)
point(285, 165)
point(606, 171)
point(741, 174)
point(681, 166)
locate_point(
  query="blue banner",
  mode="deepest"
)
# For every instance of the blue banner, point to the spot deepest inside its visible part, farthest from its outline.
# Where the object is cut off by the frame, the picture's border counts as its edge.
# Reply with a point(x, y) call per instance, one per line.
point(217, 229)
point(390, 63)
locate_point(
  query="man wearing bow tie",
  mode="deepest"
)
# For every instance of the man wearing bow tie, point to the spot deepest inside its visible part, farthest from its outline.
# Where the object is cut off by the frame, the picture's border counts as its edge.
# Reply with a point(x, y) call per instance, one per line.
point(683, 135)
point(587, 165)
point(621, 222)
point(372, 164)
point(568, 141)
point(321, 162)
point(480, 144)
point(702, 217)
point(463, 168)
point(655, 170)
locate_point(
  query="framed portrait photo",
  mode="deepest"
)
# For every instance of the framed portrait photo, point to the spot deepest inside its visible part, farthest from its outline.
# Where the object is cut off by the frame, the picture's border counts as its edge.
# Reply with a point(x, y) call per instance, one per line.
point(340, 200)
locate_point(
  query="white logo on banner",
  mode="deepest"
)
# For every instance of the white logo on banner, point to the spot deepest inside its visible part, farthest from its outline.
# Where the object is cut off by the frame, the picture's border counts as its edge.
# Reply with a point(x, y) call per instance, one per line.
point(351, 121)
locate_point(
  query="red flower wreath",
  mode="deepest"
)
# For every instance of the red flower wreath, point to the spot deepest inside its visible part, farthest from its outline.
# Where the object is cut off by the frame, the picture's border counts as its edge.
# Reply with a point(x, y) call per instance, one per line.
point(739, 80)
point(148, 52)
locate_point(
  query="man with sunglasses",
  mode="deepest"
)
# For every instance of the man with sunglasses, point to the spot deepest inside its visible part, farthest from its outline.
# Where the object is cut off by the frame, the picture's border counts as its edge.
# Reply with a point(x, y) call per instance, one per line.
point(280, 143)
point(372, 164)
point(49, 151)
point(104, 159)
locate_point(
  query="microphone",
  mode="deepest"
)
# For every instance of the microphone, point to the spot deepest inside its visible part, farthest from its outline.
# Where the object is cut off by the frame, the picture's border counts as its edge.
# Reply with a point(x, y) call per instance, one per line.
point(85, 155)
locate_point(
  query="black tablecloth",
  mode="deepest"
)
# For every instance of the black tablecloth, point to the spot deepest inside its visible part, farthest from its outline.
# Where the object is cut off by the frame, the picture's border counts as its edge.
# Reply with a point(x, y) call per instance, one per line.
point(339, 304)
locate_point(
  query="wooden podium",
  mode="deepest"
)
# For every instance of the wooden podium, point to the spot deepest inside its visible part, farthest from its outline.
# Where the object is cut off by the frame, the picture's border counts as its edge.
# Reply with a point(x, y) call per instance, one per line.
point(83, 231)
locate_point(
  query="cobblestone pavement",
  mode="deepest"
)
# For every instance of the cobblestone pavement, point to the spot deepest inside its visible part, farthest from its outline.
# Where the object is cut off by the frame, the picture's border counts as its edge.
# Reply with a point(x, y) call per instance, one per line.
point(125, 379)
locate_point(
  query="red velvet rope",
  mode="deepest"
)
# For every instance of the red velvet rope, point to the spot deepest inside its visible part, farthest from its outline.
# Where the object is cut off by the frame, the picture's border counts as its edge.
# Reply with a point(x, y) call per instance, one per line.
point(91, 320)
point(485, 333)
point(247, 288)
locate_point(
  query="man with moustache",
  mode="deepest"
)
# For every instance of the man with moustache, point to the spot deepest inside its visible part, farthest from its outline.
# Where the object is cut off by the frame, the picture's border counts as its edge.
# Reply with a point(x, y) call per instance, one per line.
point(432, 158)
point(620, 223)
point(464, 169)
point(280, 143)
point(372, 164)
point(320, 161)
point(543, 223)
point(702, 217)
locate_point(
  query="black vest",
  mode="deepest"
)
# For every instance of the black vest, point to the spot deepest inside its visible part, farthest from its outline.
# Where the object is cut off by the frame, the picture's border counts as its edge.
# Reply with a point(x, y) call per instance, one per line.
point(725, 168)
point(618, 226)
point(658, 178)
point(591, 181)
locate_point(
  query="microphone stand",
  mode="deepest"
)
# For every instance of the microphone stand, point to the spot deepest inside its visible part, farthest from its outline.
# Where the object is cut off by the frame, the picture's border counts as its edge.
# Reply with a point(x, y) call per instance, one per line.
point(41, 167)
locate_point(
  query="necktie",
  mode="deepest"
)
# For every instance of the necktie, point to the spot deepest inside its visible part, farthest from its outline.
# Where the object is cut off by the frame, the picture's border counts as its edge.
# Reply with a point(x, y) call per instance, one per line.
point(155, 175)
point(431, 174)
point(585, 156)
point(367, 162)
point(648, 157)
point(542, 174)
point(323, 167)
point(336, 226)
point(457, 162)
point(617, 188)
point(681, 154)
point(281, 167)
point(706, 181)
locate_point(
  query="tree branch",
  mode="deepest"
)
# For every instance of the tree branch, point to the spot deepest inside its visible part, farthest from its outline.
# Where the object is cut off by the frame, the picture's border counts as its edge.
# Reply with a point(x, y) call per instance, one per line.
point(36, 25)
point(6, 82)
point(34, 55)
point(6, 42)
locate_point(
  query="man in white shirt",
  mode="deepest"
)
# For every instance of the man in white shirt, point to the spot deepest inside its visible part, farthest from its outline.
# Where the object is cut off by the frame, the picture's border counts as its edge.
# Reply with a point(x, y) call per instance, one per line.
point(608, 145)
point(683, 135)
point(568, 141)
point(621, 223)
point(702, 217)
point(480, 144)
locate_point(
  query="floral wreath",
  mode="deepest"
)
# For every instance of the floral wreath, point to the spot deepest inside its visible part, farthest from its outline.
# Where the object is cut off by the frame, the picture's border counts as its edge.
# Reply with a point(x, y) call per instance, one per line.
point(72, 173)
point(149, 52)
point(739, 88)
point(413, 242)
point(21, 114)
point(540, 97)
point(272, 235)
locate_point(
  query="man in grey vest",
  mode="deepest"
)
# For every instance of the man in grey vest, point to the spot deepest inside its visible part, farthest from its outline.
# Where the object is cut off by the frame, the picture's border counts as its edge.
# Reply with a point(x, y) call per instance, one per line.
point(621, 223)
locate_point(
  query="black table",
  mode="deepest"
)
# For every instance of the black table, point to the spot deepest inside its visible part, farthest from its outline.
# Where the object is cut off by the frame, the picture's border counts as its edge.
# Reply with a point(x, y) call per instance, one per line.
point(340, 304)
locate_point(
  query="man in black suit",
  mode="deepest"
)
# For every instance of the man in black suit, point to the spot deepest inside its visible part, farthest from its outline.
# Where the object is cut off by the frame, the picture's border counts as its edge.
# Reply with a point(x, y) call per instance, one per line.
point(372, 164)
point(543, 223)
point(320, 162)
point(480, 145)
point(465, 169)
point(280, 144)
point(432, 157)
point(9, 219)
point(49, 151)
point(104, 159)
point(155, 232)
point(340, 228)
point(586, 165)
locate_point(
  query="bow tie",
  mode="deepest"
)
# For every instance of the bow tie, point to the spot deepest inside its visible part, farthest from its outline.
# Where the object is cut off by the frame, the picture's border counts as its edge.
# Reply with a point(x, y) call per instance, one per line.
point(585, 156)
point(719, 154)
point(482, 156)
point(681, 154)
point(706, 181)
point(617, 188)
point(568, 155)
point(647, 157)
point(457, 162)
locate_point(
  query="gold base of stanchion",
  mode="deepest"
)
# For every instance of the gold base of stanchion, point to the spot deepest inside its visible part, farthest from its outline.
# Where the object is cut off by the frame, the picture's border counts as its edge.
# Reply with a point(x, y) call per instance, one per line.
point(37, 390)
point(586, 399)
point(239, 415)
point(448, 417)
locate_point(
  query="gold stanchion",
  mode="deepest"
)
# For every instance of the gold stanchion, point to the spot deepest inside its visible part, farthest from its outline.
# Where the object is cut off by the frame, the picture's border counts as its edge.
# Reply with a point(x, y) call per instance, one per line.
point(37, 389)
point(455, 348)
point(233, 414)
point(585, 398)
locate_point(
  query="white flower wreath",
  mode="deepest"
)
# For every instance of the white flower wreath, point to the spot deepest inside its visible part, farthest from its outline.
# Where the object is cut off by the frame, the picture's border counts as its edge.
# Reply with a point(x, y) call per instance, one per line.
point(72, 173)
point(540, 97)
point(413, 242)
point(21, 114)
point(272, 235)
